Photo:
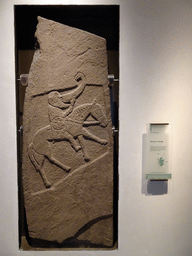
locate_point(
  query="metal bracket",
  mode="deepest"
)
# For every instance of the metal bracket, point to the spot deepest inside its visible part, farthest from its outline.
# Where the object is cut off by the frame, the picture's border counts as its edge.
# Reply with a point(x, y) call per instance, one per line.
point(21, 130)
point(114, 130)
point(24, 79)
point(112, 79)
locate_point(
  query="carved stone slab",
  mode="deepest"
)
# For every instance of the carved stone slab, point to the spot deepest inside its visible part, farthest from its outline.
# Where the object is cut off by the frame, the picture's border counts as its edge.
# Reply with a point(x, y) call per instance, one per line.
point(68, 145)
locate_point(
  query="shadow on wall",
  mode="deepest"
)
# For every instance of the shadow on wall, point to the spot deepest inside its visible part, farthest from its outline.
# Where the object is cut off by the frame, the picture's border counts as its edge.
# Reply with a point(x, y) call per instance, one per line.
point(149, 187)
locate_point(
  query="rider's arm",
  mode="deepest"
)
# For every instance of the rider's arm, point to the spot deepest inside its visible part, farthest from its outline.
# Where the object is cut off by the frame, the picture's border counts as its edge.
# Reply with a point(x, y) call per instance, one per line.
point(80, 81)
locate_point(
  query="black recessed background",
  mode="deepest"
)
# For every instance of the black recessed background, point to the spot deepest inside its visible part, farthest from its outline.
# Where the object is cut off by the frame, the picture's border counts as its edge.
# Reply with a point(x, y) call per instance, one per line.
point(102, 20)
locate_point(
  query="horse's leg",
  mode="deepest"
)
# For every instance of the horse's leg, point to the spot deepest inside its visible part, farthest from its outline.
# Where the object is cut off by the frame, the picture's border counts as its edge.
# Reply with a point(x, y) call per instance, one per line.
point(50, 157)
point(31, 156)
point(55, 161)
point(91, 136)
point(38, 167)
point(83, 146)
point(43, 175)
point(73, 142)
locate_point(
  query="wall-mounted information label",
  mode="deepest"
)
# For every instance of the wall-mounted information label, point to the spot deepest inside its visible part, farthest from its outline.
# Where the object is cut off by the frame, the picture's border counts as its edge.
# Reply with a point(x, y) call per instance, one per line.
point(158, 152)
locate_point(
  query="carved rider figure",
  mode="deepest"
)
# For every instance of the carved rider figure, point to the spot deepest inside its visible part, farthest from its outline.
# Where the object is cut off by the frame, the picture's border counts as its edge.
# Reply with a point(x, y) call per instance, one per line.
point(58, 109)
point(60, 106)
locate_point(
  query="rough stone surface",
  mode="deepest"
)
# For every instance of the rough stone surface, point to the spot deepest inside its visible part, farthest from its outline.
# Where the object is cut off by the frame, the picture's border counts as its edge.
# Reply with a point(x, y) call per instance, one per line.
point(68, 145)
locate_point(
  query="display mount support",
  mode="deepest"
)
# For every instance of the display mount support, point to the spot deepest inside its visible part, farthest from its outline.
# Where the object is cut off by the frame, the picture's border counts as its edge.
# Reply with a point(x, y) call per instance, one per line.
point(112, 79)
point(23, 79)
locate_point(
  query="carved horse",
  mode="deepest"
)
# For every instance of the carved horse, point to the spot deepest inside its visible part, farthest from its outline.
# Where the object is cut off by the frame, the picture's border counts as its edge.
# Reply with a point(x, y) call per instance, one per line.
point(70, 128)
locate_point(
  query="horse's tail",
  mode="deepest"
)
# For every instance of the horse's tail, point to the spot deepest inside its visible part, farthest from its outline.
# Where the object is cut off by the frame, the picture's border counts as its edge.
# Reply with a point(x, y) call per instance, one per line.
point(98, 113)
point(32, 157)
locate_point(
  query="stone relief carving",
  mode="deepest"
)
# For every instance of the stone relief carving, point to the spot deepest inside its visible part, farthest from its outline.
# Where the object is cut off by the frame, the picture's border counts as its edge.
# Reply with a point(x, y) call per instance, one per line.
point(66, 123)
point(68, 141)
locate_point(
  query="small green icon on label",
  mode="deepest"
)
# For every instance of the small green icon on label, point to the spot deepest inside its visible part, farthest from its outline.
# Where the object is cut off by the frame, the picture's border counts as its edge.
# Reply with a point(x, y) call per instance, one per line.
point(161, 161)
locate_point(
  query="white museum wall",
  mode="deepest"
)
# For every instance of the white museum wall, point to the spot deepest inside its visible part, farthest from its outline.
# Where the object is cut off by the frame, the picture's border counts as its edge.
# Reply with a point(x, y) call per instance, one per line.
point(155, 86)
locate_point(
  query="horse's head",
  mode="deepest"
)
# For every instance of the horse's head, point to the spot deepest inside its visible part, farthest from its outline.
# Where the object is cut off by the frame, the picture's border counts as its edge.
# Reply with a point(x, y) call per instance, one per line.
point(98, 113)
